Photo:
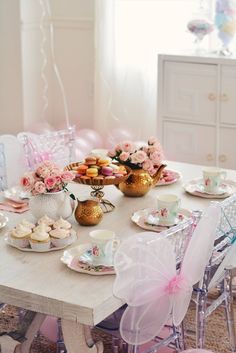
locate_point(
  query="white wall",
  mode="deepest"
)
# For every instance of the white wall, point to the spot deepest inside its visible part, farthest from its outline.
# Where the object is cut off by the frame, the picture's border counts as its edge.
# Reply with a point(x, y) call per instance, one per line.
point(11, 117)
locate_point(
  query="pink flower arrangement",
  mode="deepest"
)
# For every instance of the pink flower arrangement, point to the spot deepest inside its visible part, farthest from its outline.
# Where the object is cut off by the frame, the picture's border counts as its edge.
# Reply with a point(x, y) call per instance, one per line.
point(148, 157)
point(46, 178)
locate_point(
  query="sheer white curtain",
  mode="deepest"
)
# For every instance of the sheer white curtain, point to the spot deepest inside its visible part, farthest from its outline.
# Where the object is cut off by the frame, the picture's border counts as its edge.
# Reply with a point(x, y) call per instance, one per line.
point(129, 35)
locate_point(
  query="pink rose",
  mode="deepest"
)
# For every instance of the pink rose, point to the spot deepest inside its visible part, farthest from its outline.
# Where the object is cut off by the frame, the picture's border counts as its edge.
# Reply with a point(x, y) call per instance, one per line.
point(111, 153)
point(39, 187)
point(27, 181)
point(138, 157)
point(50, 182)
point(152, 140)
point(156, 157)
point(67, 176)
point(42, 171)
point(124, 156)
point(147, 165)
point(127, 146)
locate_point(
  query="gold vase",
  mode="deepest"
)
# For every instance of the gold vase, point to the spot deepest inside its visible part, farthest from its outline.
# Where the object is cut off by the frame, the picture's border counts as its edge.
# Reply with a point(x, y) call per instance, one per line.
point(139, 182)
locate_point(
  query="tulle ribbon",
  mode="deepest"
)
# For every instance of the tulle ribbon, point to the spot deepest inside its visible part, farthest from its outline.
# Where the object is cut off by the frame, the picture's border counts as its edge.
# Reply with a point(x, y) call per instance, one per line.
point(149, 283)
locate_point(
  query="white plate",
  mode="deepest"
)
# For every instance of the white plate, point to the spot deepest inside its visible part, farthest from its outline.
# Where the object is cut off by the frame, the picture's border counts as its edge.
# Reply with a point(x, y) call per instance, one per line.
point(3, 220)
point(142, 219)
point(72, 257)
point(52, 248)
point(170, 177)
point(195, 187)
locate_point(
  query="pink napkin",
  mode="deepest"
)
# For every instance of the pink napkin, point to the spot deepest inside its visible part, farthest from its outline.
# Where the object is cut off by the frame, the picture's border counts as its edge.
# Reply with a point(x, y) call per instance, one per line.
point(14, 206)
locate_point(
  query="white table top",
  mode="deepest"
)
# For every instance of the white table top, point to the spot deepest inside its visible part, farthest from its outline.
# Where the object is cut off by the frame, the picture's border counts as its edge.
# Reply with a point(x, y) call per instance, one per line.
point(42, 283)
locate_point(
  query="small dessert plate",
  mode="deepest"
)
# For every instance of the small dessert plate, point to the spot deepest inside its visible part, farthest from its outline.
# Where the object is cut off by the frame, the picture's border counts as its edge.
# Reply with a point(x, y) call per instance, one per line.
point(168, 177)
point(3, 220)
point(76, 259)
point(52, 248)
point(148, 219)
point(195, 187)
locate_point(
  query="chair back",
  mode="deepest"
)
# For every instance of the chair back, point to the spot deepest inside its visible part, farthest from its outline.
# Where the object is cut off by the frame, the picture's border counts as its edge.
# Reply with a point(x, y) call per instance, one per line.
point(56, 146)
point(151, 282)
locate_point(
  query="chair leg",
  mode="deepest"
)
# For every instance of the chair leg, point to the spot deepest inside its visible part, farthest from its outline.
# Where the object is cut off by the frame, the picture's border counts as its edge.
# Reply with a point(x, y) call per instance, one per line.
point(229, 309)
point(201, 310)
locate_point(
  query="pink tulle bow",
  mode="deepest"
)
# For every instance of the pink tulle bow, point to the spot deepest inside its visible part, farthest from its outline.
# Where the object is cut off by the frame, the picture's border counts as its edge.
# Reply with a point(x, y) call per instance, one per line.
point(175, 284)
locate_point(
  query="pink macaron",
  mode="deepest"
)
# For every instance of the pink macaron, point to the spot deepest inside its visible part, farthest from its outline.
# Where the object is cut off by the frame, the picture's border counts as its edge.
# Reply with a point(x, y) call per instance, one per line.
point(107, 171)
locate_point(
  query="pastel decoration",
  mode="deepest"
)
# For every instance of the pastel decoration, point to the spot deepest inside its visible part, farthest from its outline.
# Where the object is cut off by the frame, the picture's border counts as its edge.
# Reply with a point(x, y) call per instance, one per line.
point(49, 328)
point(147, 279)
point(91, 136)
point(225, 21)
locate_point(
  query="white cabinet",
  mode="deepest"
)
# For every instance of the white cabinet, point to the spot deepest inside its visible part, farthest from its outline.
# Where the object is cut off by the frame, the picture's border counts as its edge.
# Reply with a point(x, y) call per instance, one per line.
point(197, 109)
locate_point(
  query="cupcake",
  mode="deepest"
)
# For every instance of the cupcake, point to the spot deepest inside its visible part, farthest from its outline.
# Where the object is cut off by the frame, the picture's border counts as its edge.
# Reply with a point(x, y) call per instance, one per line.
point(40, 239)
point(62, 223)
point(60, 237)
point(46, 220)
point(20, 236)
point(39, 227)
point(27, 224)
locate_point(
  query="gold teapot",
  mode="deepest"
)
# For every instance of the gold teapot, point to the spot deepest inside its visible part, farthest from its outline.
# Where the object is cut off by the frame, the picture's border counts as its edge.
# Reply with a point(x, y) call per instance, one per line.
point(139, 182)
point(88, 212)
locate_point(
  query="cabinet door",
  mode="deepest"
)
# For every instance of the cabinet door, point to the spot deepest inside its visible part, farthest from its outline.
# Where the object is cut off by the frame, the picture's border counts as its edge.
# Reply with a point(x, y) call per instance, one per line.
point(189, 143)
point(190, 91)
point(228, 95)
point(227, 155)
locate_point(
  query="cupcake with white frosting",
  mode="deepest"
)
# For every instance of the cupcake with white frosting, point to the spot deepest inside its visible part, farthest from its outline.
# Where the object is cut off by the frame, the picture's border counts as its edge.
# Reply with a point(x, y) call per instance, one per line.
point(44, 226)
point(40, 239)
point(20, 236)
point(27, 224)
point(62, 223)
point(60, 237)
point(46, 220)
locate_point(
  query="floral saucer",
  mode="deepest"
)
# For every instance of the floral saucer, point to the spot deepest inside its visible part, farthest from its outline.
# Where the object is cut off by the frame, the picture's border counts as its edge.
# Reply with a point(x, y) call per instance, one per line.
point(78, 259)
point(168, 177)
point(148, 219)
point(195, 187)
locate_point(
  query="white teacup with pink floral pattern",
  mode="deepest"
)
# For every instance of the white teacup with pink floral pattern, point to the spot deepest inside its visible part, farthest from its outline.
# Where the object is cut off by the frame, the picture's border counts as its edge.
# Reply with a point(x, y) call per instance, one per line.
point(212, 179)
point(103, 245)
point(168, 207)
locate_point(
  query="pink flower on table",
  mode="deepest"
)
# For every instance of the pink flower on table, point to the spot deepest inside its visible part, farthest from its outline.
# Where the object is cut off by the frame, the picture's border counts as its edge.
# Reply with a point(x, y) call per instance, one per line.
point(138, 157)
point(67, 176)
point(27, 181)
point(50, 182)
point(124, 156)
point(40, 187)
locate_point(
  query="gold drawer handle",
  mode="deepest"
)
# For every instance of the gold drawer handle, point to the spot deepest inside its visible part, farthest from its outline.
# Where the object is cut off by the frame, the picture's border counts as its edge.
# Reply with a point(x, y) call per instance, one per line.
point(222, 158)
point(224, 97)
point(211, 97)
point(209, 157)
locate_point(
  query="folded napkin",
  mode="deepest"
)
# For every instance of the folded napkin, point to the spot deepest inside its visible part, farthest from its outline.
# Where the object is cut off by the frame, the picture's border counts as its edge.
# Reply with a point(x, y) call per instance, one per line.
point(14, 206)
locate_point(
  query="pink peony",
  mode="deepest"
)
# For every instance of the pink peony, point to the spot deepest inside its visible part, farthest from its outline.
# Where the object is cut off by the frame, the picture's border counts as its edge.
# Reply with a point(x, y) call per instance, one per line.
point(40, 187)
point(124, 156)
point(67, 176)
point(27, 181)
point(138, 157)
point(50, 182)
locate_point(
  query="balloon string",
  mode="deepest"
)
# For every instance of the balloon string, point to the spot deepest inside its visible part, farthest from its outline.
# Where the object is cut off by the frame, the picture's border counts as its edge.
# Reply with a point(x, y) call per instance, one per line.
point(44, 3)
point(44, 64)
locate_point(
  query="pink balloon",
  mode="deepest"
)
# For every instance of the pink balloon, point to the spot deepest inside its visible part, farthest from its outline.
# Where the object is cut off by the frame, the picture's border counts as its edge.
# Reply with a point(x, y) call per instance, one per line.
point(117, 135)
point(49, 328)
point(91, 136)
point(39, 127)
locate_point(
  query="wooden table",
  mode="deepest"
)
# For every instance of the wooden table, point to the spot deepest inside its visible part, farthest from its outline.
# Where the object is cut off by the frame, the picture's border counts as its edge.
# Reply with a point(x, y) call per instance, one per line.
point(42, 283)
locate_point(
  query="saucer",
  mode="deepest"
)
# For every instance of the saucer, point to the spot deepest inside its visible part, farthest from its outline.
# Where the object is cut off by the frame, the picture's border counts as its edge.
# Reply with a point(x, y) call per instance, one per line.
point(72, 258)
point(168, 177)
point(195, 187)
point(148, 219)
point(3, 220)
point(87, 258)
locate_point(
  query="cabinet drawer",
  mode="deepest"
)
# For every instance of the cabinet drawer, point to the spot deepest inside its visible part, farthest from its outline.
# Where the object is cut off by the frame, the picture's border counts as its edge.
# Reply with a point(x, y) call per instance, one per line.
point(227, 154)
point(190, 91)
point(228, 95)
point(189, 143)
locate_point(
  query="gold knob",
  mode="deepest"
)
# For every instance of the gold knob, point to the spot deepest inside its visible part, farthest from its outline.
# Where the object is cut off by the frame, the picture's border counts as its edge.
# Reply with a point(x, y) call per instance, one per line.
point(224, 97)
point(209, 157)
point(222, 158)
point(212, 97)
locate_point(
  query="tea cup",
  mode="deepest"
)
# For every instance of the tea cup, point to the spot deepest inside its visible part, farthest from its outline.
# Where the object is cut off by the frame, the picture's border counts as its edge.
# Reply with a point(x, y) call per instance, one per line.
point(103, 245)
point(212, 179)
point(168, 207)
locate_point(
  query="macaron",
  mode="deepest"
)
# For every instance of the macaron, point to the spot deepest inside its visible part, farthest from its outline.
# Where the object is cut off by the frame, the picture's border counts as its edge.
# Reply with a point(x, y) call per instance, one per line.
point(107, 171)
point(90, 160)
point(103, 162)
point(92, 172)
point(82, 169)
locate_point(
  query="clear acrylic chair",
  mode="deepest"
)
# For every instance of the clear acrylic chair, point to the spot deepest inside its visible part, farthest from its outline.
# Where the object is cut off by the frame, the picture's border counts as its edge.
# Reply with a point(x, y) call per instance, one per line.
point(156, 280)
point(53, 145)
point(218, 274)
